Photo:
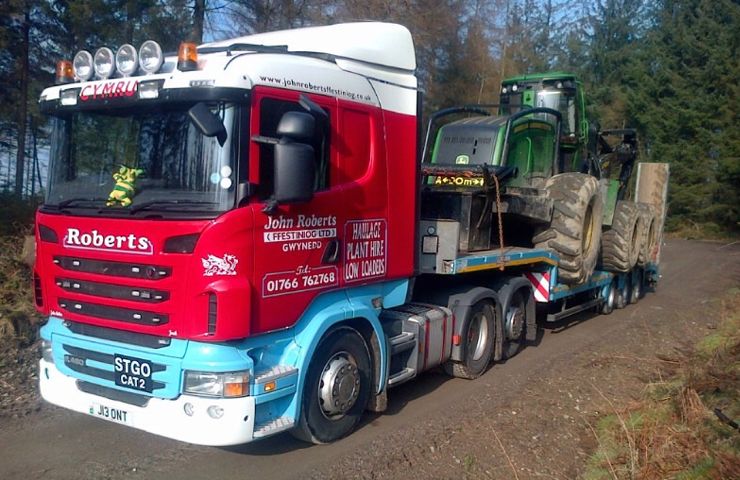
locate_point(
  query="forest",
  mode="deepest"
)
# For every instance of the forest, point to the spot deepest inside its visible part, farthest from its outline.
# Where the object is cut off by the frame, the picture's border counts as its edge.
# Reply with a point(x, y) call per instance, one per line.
point(669, 68)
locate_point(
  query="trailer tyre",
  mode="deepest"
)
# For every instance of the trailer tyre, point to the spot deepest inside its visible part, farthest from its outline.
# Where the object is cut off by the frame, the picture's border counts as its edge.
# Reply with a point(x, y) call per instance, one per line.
point(621, 244)
point(637, 291)
point(477, 343)
point(575, 230)
point(515, 324)
point(337, 388)
point(611, 299)
point(623, 298)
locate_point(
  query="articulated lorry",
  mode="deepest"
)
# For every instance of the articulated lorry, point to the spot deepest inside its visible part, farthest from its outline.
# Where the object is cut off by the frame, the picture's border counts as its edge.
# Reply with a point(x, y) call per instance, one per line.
point(248, 237)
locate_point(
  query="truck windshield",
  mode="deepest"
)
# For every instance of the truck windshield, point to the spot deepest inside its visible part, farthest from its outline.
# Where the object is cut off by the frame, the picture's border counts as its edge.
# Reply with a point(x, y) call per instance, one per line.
point(122, 162)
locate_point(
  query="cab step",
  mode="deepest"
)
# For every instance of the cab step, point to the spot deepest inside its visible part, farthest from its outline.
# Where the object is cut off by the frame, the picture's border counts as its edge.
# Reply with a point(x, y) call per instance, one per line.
point(406, 374)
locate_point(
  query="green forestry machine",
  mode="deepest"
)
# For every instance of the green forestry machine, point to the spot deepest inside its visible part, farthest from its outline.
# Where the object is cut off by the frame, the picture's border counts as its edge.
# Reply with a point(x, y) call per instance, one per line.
point(532, 171)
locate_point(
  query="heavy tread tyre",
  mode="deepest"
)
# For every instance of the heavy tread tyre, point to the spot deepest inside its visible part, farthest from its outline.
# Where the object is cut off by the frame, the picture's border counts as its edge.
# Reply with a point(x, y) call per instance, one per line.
point(649, 233)
point(620, 245)
point(314, 425)
point(477, 351)
point(575, 230)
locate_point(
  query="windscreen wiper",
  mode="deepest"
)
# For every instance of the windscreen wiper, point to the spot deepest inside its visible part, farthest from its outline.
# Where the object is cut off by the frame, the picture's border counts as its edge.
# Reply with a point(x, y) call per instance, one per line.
point(163, 204)
point(72, 201)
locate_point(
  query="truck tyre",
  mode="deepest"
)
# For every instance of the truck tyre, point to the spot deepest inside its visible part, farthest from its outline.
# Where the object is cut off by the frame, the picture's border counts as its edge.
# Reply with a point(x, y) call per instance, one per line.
point(620, 245)
point(515, 324)
point(649, 233)
point(478, 342)
point(337, 388)
point(574, 233)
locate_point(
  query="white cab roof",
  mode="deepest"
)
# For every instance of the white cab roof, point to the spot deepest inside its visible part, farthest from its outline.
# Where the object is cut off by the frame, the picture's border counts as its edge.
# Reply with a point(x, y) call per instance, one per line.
point(385, 44)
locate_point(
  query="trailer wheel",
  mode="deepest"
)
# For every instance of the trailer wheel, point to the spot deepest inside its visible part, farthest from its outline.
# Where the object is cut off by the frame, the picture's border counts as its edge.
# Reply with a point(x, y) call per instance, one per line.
point(337, 388)
point(623, 299)
point(611, 299)
point(637, 291)
point(515, 324)
point(621, 244)
point(574, 233)
point(477, 343)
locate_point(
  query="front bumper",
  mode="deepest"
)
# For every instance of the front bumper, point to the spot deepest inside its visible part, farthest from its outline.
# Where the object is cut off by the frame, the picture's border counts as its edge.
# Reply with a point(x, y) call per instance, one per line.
point(159, 416)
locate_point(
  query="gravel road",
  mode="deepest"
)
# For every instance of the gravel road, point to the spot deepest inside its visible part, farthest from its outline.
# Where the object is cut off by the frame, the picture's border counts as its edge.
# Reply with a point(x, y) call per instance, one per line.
point(529, 417)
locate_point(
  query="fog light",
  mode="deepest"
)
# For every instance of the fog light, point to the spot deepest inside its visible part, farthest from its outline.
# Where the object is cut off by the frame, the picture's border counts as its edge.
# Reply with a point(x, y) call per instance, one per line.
point(69, 96)
point(148, 90)
point(215, 412)
point(189, 409)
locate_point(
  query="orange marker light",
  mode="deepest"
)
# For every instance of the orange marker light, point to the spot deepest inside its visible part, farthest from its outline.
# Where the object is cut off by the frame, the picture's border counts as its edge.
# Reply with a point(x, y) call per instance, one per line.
point(235, 389)
point(64, 72)
point(270, 386)
point(187, 57)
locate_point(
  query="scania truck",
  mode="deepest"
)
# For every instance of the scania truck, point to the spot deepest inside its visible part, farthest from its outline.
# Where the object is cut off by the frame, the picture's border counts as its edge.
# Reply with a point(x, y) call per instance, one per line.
point(247, 238)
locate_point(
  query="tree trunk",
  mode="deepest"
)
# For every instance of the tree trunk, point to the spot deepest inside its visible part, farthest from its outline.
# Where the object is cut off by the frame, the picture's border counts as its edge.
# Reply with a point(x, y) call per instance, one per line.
point(23, 100)
point(199, 13)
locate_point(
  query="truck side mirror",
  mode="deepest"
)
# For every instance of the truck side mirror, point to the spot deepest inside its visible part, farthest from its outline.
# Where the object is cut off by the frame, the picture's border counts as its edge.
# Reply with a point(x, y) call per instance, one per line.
point(295, 171)
point(207, 122)
point(295, 160)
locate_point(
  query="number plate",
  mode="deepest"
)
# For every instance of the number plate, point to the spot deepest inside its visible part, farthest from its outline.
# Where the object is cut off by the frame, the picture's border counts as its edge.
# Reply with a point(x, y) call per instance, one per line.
point(109, 413)
point(133, 373)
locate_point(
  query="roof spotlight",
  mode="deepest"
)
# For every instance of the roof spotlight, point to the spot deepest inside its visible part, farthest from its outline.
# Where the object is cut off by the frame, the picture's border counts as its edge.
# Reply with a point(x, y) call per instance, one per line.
point(104, 63)
point(83, 65)
point(127, 61)
point(150, 56)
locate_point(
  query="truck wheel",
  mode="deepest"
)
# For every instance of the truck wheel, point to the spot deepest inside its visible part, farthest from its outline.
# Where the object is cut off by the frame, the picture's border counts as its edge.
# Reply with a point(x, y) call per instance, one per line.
point(649, 235)
point(574, 233)
point(478, 343)
point(515, 324)
point(337, 388)
point(620, 245)
point(611, 299)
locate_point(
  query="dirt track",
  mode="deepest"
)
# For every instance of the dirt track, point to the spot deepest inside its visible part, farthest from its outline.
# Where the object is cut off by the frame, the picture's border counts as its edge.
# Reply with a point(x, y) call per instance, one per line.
point(527, 418)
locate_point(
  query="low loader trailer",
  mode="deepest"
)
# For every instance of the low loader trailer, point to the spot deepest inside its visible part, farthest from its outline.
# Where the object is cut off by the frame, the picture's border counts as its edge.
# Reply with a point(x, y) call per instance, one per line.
point(246, 238)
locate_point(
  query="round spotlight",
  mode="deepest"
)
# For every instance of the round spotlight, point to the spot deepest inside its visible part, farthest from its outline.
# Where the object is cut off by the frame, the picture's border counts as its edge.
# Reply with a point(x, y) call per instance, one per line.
point(150, 56)
point(83, 65)
point(514, 88)
point(127, 61)
point(104, 63)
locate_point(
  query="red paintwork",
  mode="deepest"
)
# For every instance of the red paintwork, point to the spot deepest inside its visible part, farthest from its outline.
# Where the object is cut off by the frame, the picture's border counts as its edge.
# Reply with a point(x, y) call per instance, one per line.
point(372, 193)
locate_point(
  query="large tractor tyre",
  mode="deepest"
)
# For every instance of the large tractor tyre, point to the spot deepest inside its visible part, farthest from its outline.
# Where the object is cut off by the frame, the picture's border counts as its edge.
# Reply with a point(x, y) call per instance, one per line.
point(649, 233)
point(478, 343)
point(575, 230)
point(620, 245)
point(337, 388)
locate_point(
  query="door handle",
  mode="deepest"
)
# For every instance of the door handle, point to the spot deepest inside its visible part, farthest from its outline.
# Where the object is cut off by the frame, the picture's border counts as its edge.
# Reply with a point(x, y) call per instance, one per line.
point(331, 252)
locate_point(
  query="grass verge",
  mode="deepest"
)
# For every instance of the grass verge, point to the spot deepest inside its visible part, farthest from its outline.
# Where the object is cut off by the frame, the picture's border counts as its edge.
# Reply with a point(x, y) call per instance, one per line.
point(682, 429)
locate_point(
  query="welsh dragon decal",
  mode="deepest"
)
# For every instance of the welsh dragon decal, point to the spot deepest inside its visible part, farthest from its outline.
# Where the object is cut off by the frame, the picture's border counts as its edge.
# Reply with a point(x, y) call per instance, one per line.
point(215, 266)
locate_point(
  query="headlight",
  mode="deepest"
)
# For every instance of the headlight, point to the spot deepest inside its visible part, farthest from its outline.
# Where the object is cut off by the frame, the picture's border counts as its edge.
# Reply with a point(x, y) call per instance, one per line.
point(209, 384)
point(104, 63)
point(83, 65)
point(46, 351)
point(150, 56)
point(126, 60)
